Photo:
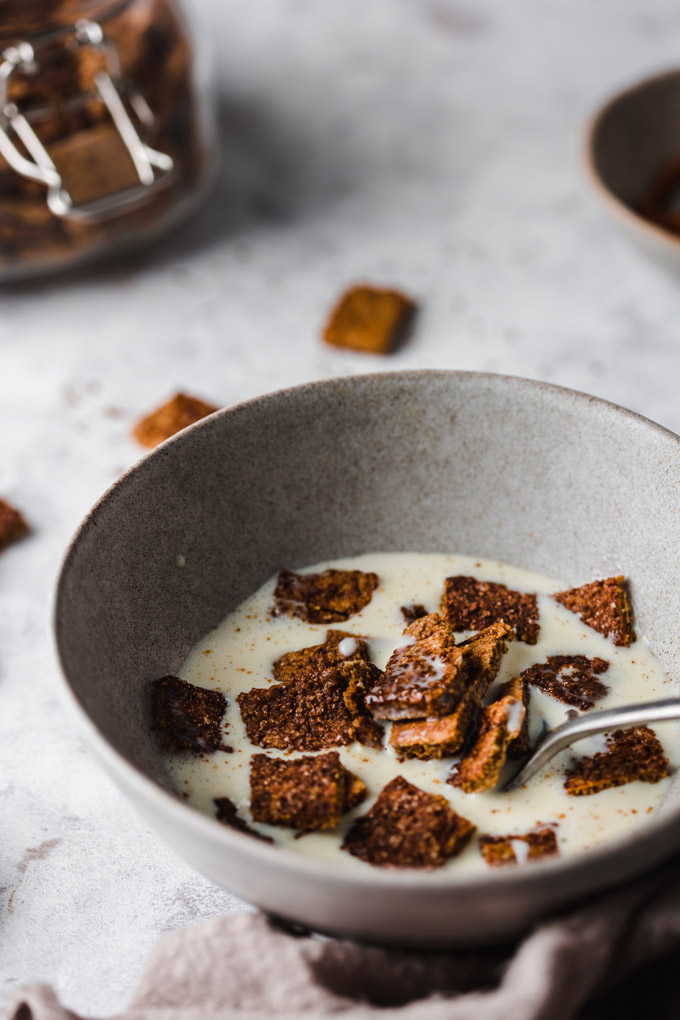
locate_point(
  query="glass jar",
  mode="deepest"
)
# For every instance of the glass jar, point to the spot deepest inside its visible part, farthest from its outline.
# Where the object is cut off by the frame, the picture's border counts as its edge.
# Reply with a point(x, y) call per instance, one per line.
point(105, 128)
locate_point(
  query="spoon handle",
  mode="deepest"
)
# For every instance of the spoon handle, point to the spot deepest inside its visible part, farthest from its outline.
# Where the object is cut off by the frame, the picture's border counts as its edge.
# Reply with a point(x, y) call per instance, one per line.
point(588, 725)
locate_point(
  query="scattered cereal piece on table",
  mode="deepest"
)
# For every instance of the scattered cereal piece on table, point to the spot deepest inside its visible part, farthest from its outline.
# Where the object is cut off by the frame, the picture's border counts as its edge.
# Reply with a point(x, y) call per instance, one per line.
point(171, 418)
point(369, 319)
point(12, 525)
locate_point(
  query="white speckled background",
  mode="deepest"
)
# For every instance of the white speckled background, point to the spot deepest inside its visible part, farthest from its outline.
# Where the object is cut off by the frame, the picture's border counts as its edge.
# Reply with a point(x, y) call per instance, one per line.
point(433, 144)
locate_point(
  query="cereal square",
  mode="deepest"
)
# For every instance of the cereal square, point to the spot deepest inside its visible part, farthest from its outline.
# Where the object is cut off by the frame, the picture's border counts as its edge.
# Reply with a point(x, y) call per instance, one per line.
point(171, 418)
point(630, 755)
point(570, 679)
point(408, 828)
point(426, 674)
point(469, 604)
point(369, 319)
point(604, 606)
point(187, 718)
point(532, 846)
point(499, 724)
point(339, 646)
point(330, 597)
point(302, 793)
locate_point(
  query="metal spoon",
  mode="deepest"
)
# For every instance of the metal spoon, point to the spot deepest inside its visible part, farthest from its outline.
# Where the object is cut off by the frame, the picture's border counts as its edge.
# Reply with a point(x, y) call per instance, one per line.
point(587, 725)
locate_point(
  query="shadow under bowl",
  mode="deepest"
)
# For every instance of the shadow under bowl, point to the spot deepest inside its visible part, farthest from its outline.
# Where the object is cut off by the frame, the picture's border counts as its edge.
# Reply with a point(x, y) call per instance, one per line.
point(632, 147)
point(545, 478)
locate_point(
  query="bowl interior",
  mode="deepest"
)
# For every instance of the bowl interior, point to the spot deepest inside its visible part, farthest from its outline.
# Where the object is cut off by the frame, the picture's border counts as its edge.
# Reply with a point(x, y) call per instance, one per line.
point(492, 466)
point(635, 137)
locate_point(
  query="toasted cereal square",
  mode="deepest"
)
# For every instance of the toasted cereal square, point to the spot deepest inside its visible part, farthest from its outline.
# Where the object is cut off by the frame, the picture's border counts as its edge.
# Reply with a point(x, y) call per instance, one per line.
point(12, 525)
point(519, 689)
point(302, 793)
point(500, 850)
point(330, 597)
point(227, 813)
point(369, 319)
point(359, 678)
point(425, 675)
point(499, 724)
point(171, 418)
point(631, 754)
point(604, 606)
point(187, 718)
point(441, 738)
point(469, 604)
point(569, 679)
point(339, 646)
point(408, 828)
point(413, 612)
point(310, 713)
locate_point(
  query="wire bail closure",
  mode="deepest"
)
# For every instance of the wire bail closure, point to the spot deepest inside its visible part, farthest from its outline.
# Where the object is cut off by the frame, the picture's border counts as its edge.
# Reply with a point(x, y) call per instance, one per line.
point(153, 168)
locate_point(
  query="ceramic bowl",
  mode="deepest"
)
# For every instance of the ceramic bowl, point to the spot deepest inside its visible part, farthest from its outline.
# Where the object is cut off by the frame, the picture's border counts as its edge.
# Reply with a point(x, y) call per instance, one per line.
point(629, 142)
point(541, 477)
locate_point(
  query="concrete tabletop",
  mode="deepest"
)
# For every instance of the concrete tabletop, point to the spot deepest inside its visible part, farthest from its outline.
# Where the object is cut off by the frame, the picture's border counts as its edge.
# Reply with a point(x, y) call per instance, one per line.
point(430, 144)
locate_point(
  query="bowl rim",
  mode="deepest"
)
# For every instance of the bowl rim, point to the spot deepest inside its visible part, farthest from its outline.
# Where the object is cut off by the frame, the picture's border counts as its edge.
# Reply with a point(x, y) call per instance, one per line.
point(610, 200)
point(189, 818)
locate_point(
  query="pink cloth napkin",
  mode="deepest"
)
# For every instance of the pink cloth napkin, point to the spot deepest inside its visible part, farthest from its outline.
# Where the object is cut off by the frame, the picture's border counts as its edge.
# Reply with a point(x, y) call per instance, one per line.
point(611, 953)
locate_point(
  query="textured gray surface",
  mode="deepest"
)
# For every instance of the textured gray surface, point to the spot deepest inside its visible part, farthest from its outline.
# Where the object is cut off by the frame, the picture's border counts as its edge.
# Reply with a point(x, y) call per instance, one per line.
point(431, 143)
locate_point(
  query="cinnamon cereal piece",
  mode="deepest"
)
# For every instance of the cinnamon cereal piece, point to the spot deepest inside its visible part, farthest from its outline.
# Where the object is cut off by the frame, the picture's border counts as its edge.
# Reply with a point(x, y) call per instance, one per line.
point(369, 319)
point(519, 689)
point(302, 793)
point(569, 679)
point(339, 646)
point(413, 612)
point(441, 738)
point(425, 675)
point(499, 724)
point(469, 604)
point(408, 828)
point(12, 525)
point(187, 718)
point(227, 813)
point(171, 418)
point(604, 606)
point(312, 713)
point(630, 755)
point(500, 850)
point(330, 597)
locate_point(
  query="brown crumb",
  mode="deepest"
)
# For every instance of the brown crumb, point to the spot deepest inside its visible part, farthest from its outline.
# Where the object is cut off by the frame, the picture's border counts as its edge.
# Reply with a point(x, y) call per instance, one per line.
point(330, 597)
point(469, 604)
point(187, 718)
point(569, 679)
point(499, 850)
point(171, 418)
point(413, 612)
point(312, 713)
point(12, 525)
point(604, 606)
point(630, 755)
point(312, 661)
point(227, 813)
point(425, 675)
point(369, 319)
point(499, 724)
point(303, 793)
point(408, 828)
point(442, 738)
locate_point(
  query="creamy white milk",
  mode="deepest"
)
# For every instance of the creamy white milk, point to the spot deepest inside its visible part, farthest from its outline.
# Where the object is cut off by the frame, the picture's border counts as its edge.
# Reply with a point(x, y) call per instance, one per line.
point(238, 655)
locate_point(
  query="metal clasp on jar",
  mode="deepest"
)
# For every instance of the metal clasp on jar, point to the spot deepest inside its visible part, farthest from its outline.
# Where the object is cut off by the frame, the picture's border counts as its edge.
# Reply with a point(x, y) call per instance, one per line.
point(153, 168)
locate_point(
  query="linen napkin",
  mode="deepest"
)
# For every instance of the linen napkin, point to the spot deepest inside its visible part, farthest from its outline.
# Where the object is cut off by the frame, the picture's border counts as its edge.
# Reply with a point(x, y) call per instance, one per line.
point(610, 958)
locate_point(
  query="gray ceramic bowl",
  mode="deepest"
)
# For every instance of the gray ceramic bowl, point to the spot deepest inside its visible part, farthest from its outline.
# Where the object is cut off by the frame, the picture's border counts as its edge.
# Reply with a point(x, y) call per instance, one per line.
point(541, 477)
point(629, 142)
